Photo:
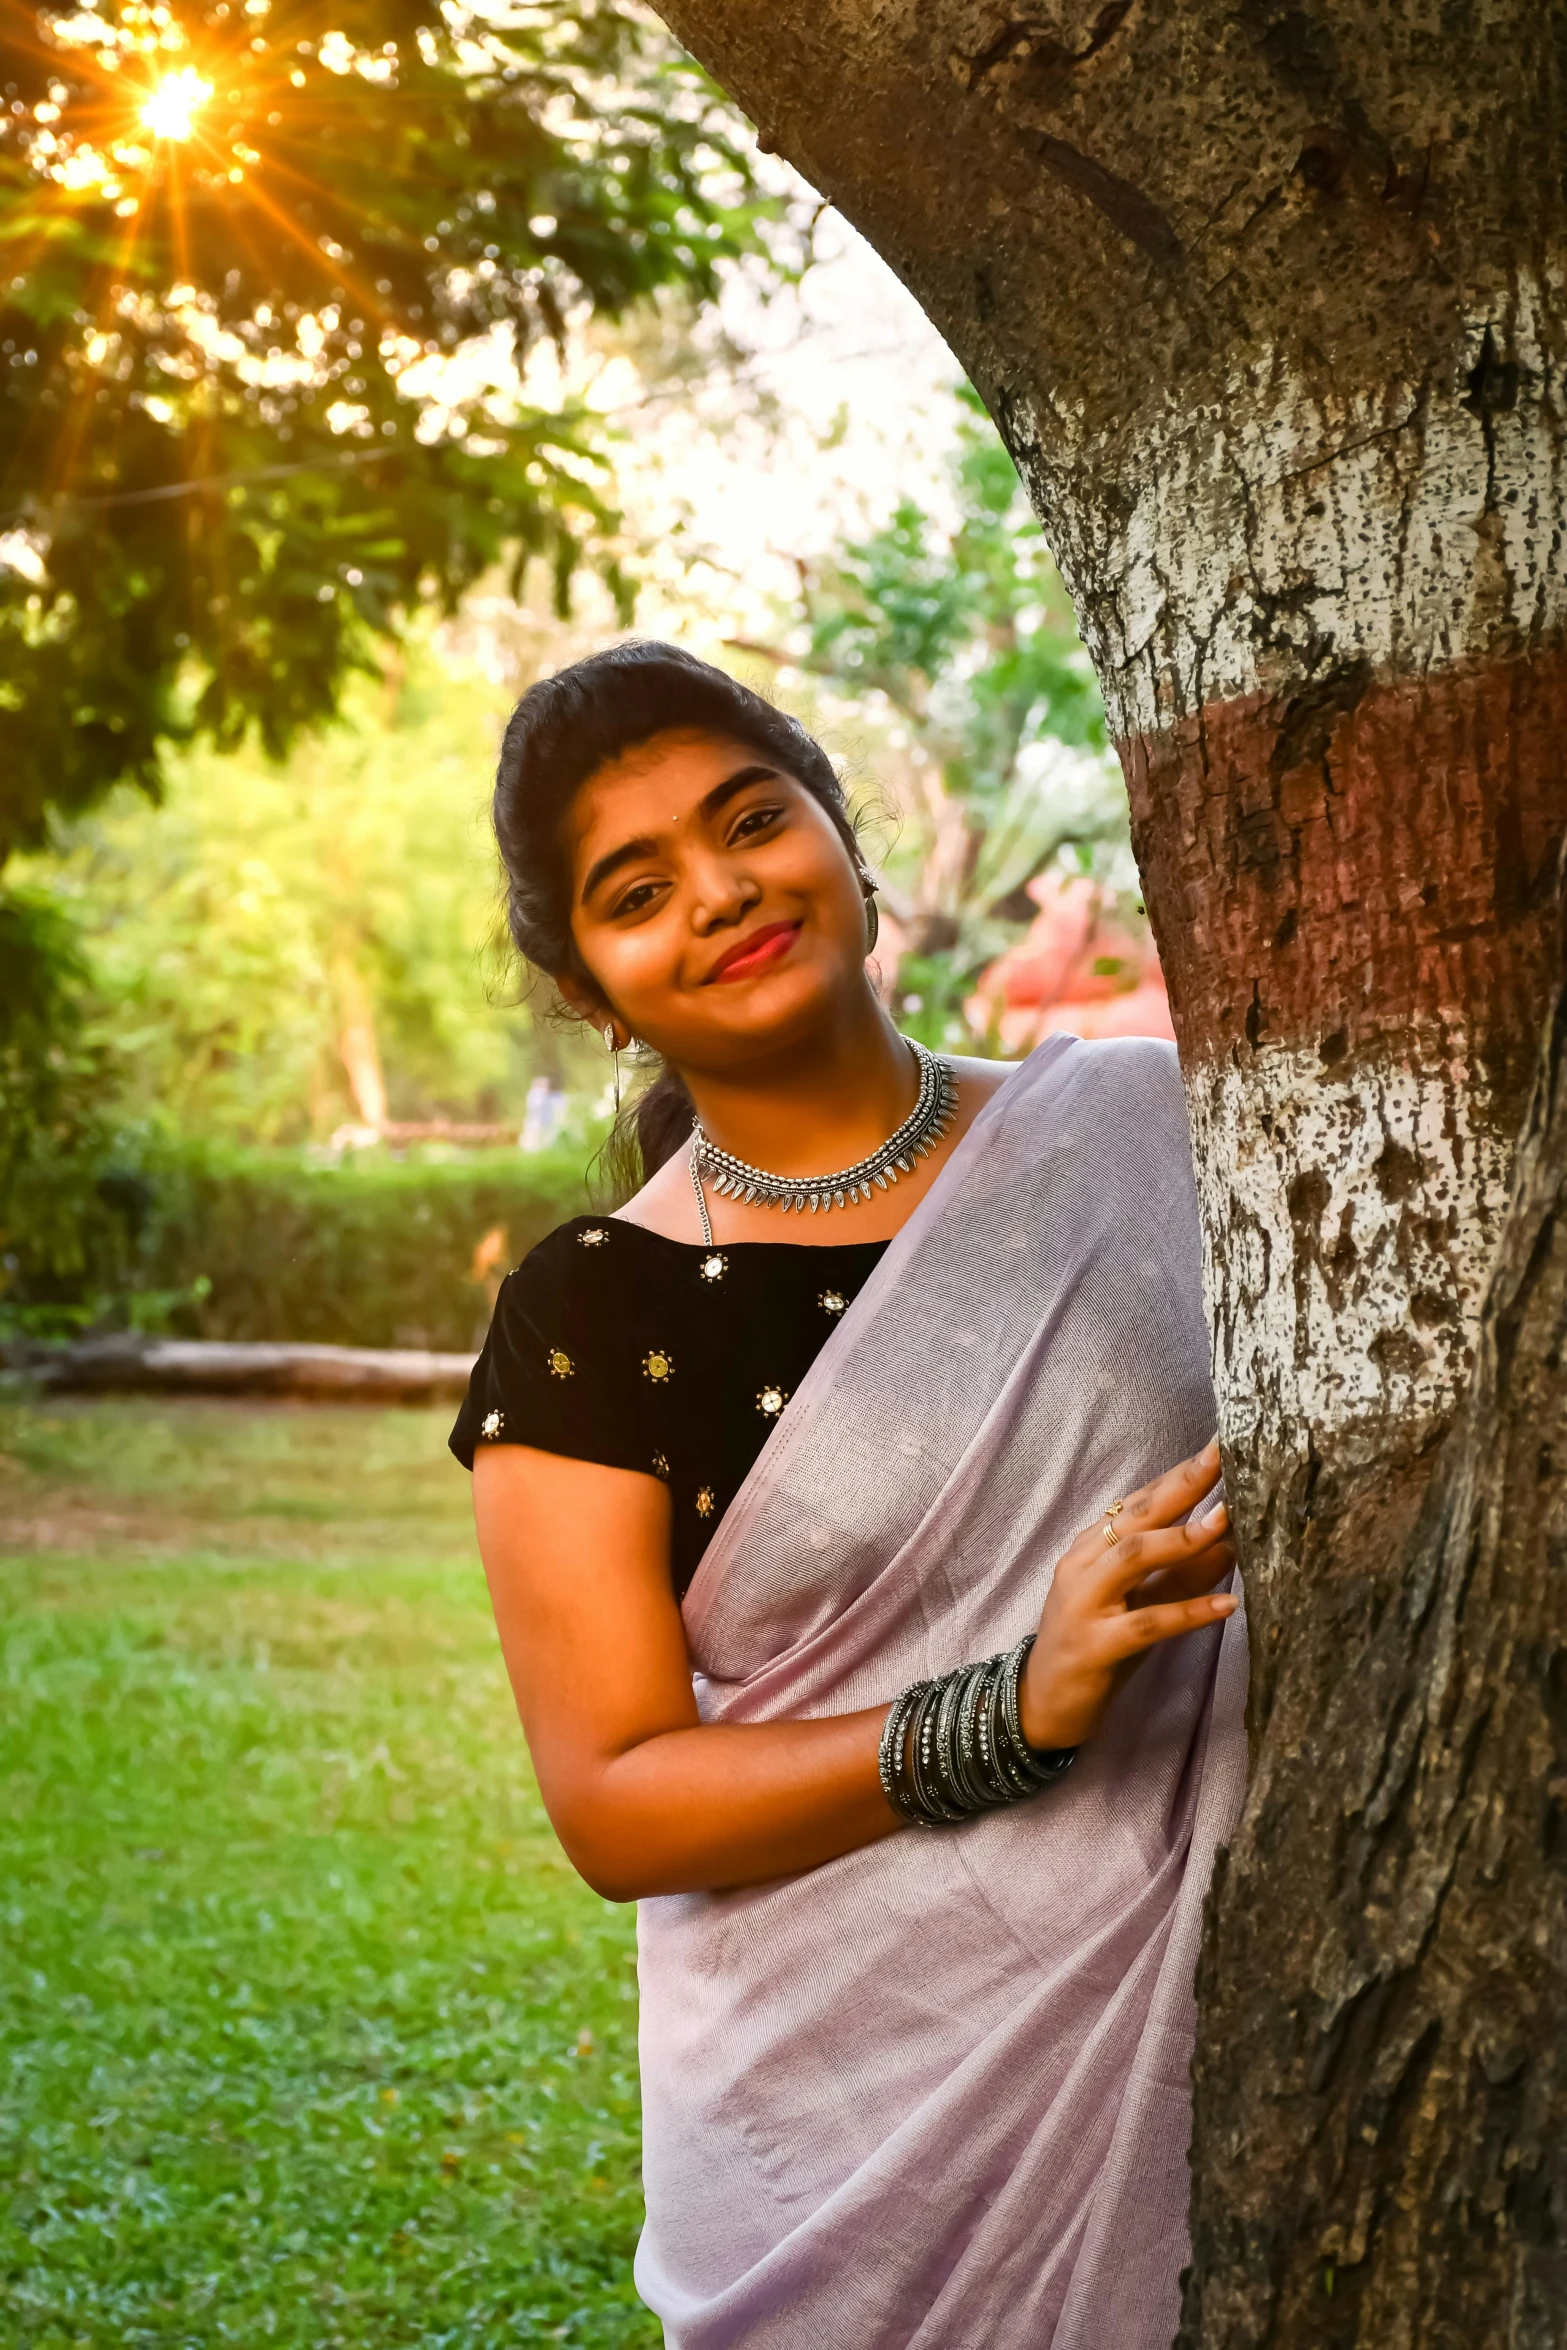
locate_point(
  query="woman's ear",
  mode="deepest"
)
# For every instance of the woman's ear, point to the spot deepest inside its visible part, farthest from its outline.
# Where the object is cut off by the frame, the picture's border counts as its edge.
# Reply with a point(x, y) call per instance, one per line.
point(591, 1007)
point(585, 1002)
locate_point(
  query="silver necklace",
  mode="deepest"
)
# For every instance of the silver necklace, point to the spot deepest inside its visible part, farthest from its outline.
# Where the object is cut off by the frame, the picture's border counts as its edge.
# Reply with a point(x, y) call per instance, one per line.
point(922, 1129)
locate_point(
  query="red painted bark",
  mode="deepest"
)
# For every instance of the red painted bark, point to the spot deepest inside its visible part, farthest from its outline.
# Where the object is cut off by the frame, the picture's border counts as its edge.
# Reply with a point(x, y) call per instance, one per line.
point(1361, 858)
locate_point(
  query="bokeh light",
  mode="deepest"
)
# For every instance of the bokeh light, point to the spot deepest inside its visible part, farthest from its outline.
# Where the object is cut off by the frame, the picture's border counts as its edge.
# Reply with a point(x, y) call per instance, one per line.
point(170, 112)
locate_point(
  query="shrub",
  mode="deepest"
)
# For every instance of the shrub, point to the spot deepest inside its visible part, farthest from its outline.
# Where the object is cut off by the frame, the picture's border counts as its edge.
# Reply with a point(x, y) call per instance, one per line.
point(52, 1132)
point(212, 1242)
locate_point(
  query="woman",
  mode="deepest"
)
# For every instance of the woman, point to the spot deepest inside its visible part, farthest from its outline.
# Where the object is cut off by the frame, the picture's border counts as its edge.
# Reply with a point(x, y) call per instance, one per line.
point(763, 1463)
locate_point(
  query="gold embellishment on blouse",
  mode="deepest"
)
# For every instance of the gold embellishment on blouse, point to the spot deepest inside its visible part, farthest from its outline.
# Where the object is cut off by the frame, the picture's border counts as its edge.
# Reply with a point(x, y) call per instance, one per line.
point(561, 1364)
point(714, 1268)
point(832, 1301)
point(705, 1501)
point(594, 1237)
point(660, 1464)
point(492, 1423)
point(658, 1366)
point(772, 1400)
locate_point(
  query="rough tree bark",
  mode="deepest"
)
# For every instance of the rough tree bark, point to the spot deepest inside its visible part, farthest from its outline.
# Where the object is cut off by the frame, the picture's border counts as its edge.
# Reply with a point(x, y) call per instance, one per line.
point(1267, 300)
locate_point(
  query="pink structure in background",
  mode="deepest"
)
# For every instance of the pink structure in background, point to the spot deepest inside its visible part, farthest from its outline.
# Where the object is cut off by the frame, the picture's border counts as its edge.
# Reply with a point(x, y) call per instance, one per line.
point(1080, 971)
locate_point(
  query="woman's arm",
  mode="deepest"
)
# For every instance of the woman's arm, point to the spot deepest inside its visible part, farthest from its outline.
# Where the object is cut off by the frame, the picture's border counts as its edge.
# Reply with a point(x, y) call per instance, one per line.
point(648, 1799)
point(644, 1797)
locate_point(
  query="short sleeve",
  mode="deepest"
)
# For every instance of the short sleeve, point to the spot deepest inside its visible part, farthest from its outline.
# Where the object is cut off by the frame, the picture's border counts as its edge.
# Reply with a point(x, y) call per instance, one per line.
point(549, 1374)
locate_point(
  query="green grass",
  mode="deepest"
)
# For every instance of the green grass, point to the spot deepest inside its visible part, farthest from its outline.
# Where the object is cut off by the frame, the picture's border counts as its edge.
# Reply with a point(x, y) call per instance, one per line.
point(309, 2035)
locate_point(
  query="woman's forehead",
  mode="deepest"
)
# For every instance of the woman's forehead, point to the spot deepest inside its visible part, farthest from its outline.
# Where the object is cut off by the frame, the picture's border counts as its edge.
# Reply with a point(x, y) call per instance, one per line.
point(655, 783)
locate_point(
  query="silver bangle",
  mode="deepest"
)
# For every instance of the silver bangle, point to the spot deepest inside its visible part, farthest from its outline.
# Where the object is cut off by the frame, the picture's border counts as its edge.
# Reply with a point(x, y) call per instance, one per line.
point(953, 1747)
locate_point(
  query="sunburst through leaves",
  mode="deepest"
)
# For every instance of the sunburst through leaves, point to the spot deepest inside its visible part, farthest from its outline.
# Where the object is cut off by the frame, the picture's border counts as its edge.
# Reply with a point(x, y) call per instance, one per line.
point(274, 290)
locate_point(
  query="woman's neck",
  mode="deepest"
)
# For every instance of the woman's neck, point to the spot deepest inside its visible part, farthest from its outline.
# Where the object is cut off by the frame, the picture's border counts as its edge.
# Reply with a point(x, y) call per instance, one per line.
point(819, 1106)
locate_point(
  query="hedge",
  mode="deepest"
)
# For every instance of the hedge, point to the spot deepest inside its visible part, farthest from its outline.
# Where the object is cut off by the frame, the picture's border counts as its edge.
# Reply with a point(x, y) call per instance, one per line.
point(206, 1242)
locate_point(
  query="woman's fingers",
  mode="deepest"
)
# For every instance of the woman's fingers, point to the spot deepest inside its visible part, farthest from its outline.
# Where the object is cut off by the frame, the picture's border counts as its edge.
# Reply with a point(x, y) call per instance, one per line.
point(1114, 1599)
point(1184, 1580)
point(1127, 1562)
point(1159, 1504)
point(1145, 1627)
point(1172, 1495)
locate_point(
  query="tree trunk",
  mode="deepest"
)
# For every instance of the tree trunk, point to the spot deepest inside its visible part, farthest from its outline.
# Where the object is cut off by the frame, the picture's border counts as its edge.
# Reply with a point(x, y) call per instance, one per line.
point(1267, 303)
point(356, 1042)
point(198, 1366)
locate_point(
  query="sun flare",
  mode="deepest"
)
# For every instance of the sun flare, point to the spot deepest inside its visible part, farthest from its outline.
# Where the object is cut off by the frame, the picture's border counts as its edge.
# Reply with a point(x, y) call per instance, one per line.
point(170, 112)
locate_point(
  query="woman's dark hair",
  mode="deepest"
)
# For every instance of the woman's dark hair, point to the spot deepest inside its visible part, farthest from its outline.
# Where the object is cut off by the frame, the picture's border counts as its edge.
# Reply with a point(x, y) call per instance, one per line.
point(561, 733)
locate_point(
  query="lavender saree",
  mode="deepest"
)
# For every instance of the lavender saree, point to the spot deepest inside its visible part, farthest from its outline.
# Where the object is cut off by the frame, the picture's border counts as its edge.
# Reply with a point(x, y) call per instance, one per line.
point(935, 2095)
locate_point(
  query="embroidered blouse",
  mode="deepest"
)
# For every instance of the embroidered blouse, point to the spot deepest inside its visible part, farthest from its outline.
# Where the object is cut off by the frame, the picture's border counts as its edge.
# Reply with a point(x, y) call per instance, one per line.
point(611, 1343)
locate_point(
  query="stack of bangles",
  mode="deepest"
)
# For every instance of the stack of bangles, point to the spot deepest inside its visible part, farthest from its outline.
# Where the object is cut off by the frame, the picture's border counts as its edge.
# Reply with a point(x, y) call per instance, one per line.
point(954, 1747)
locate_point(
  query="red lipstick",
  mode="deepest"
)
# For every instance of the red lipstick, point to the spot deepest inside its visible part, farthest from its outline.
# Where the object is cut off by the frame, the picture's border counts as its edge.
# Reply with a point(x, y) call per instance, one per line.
point(750, 955)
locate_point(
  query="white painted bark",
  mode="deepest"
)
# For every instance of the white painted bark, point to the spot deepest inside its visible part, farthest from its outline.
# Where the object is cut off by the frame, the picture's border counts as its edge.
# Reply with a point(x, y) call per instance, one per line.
point(1293, 521)
point(1349, 1228)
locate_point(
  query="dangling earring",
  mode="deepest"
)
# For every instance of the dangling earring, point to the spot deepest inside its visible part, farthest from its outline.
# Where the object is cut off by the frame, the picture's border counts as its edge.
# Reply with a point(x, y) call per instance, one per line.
point(872, 914)
point(612, 1047)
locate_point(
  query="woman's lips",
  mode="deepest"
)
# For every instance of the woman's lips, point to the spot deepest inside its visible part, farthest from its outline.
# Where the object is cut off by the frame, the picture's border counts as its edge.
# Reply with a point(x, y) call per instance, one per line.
point(749, 955)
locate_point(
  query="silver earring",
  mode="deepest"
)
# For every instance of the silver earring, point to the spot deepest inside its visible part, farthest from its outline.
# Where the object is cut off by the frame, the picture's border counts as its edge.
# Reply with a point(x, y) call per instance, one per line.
point(612, 1047)
point(872, 916)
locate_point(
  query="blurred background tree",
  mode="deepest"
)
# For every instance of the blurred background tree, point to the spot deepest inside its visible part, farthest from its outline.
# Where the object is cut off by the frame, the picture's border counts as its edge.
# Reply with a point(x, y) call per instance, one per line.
point(281, 944)
point(288, 310)
point(54, 1119)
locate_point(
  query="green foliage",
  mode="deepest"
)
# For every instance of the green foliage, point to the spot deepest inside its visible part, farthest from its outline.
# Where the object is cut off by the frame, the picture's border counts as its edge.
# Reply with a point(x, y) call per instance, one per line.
point(310, 2035)
point(224, 927)
point(966, 629)
point(52, 1130)
point(222, 1243)
point(259, 387)
point(189, 1006)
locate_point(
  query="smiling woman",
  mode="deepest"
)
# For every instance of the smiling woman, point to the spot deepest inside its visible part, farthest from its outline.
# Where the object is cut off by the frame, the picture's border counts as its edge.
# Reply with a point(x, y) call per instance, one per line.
point(783, 1530)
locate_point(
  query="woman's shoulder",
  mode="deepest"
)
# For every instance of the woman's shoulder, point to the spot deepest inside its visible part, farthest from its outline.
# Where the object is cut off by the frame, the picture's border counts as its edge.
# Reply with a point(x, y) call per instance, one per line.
point(1119, 1069)
point(576, 1250)
point(559, 1364)
point(665, 1205)
point(1122, 1066)
point(1120, 1087)
point(1129, 1060)
point(574, 1298)
point(979, 1076)
point(1136, 1069)
point(594, 1261)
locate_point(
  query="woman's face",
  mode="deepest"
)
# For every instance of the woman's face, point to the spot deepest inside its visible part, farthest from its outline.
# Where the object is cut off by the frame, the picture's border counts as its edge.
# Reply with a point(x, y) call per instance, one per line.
point(713, 901)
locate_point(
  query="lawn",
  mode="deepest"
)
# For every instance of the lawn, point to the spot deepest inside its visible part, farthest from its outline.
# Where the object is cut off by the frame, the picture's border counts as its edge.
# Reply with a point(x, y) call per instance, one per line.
point(309, 2034)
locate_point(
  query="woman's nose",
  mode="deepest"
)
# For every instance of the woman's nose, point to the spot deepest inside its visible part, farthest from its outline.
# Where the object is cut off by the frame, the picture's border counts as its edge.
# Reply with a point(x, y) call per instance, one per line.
point(722, 896)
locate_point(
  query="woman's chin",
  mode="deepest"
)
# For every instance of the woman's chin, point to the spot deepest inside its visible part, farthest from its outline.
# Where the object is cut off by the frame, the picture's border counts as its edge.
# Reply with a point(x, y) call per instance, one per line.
point(768, 1013)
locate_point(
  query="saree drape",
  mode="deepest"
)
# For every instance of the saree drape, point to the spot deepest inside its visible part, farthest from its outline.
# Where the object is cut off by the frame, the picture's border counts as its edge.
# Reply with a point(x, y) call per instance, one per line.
point(935, 2095)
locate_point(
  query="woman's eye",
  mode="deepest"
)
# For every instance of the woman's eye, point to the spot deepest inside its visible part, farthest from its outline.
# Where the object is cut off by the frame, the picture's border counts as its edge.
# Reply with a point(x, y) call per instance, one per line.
point(753, 821)
point(635, 900)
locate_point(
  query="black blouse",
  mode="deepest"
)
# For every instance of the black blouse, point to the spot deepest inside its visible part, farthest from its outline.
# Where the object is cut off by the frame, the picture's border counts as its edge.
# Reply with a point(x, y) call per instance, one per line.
point(612, 1343)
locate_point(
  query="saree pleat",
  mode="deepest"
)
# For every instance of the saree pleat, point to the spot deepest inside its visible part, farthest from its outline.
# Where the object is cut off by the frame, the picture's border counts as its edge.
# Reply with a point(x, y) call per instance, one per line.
point(937, 2093)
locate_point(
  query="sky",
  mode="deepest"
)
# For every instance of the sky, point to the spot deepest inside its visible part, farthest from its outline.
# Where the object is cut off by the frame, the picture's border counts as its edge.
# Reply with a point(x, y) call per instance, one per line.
point(790, 416)
point(860, 388)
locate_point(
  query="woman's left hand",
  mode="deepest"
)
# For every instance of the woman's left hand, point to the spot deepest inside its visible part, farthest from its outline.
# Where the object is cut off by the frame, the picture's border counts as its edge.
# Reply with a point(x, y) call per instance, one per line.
point(1144, 1574)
